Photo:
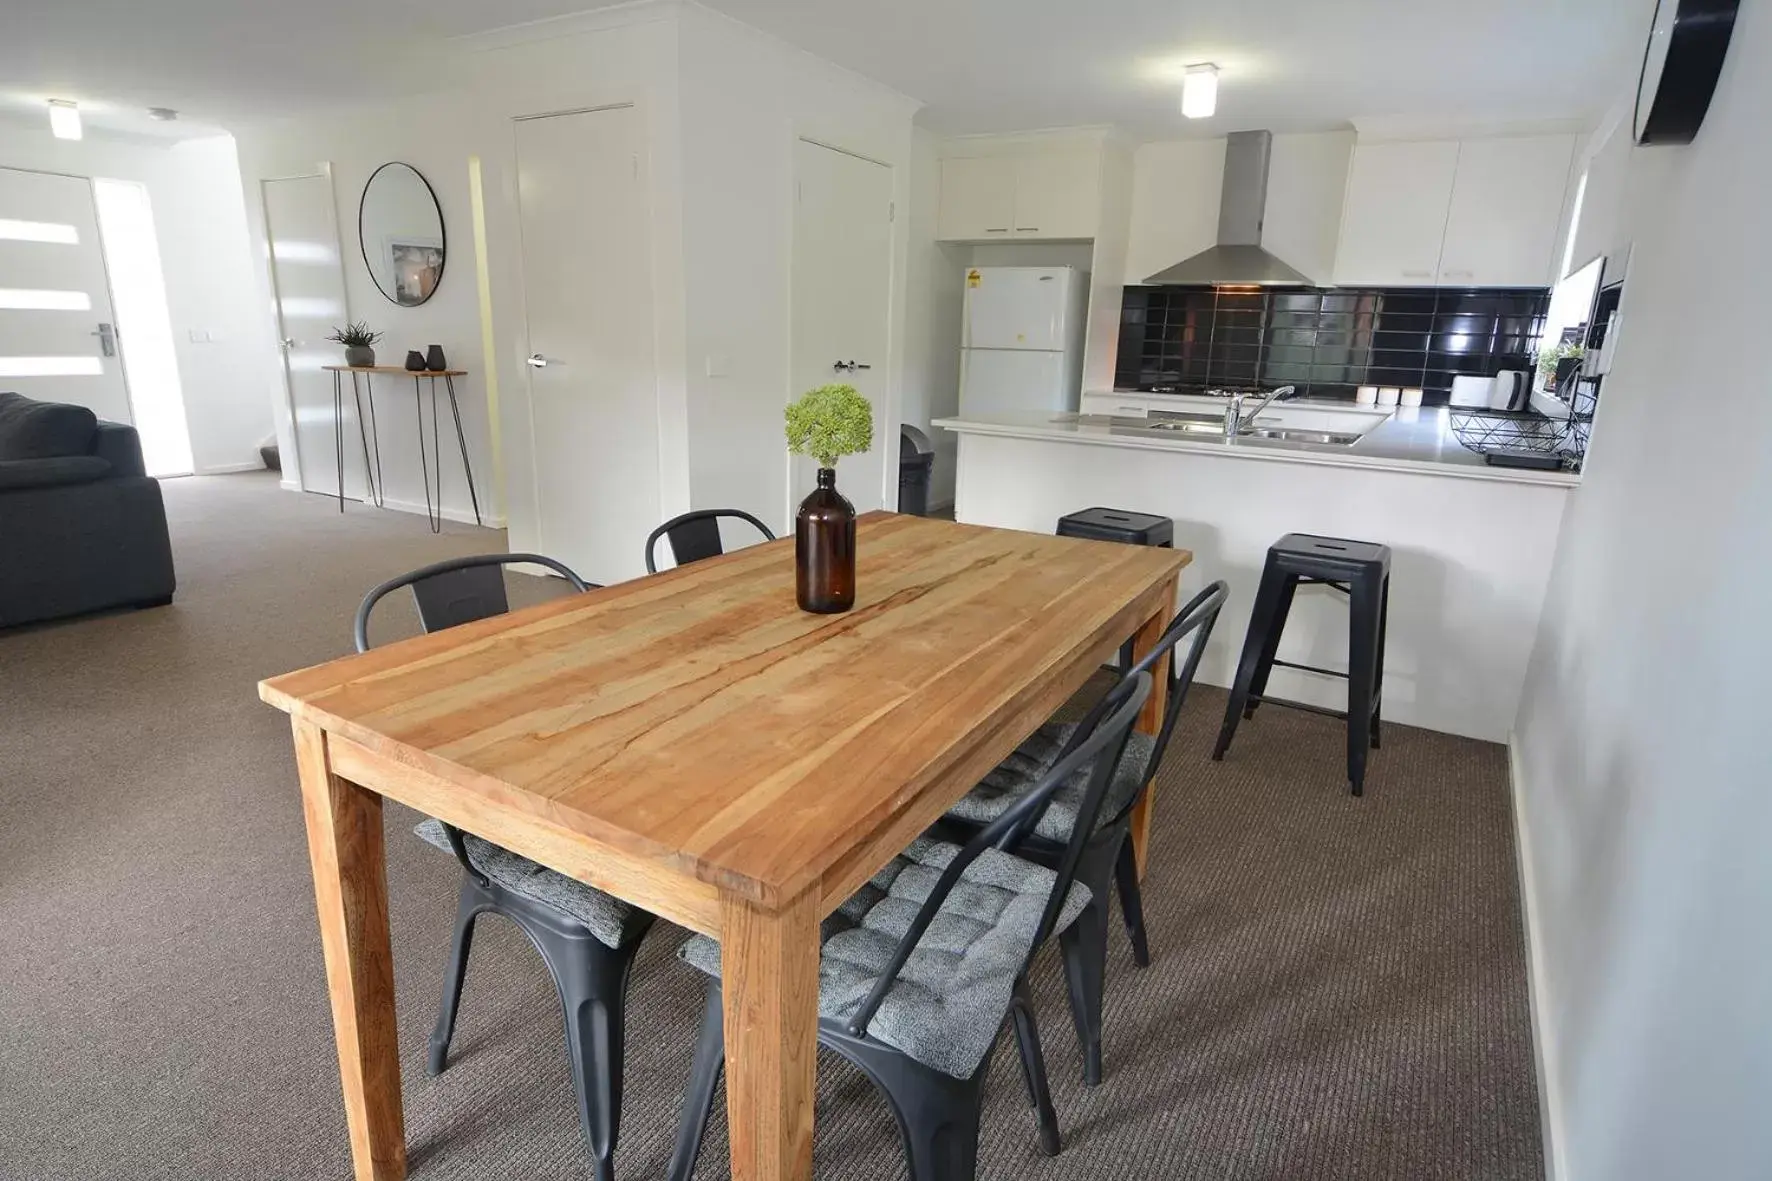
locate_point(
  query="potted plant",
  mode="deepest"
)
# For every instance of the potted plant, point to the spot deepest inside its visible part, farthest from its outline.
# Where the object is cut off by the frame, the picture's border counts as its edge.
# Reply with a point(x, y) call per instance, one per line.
point(1556, 364)
point(359, 344)
point(827, 423)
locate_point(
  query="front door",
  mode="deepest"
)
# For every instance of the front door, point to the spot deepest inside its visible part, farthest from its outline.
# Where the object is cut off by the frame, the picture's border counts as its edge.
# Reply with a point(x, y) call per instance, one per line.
point(309, 282)
point(593, 376)
point(842, 290)
point(58, 340)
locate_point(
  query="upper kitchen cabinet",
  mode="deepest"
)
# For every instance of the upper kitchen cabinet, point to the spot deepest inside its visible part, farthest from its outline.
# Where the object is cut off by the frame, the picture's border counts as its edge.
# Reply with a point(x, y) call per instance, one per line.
point(1393, 220)
point(1471, 213)
point(1507, 207)
point(977, 198)
point(1031, 195)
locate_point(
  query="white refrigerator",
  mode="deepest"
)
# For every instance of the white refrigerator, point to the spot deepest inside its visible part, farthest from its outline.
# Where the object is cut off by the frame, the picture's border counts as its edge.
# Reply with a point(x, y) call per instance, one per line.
point(1021, 348)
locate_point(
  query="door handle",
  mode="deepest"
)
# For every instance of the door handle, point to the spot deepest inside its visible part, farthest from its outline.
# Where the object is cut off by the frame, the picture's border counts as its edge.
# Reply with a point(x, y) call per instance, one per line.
point(107, 339)
point(849, 366)
point(289, 342)
point(537, 361)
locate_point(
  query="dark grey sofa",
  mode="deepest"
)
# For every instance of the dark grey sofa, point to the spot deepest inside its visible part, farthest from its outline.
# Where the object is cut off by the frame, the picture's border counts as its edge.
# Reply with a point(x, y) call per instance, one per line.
point(82, 526)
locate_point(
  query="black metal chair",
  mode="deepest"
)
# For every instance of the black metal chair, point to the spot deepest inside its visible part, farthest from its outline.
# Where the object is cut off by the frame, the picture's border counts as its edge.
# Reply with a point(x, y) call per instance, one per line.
point(587, 938)
point(696, 535)
point(921, 1009)
point(1107, 857)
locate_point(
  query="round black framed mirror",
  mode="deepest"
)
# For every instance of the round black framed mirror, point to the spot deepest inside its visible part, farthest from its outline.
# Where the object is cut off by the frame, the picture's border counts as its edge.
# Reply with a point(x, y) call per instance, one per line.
point(400, 227)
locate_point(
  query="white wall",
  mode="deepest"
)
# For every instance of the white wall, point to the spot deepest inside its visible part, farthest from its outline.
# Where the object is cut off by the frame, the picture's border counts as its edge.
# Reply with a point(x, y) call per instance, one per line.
point(746, 99)
point(934, 299)
point(194, 189)
point(1643, 769)
point(623, 57)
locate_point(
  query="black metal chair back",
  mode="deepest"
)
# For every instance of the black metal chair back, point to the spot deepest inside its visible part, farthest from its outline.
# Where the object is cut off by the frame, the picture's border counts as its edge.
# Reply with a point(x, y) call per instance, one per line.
point(456, 591)
point(1103, 738)
point(1198, 618)
point(696, 535)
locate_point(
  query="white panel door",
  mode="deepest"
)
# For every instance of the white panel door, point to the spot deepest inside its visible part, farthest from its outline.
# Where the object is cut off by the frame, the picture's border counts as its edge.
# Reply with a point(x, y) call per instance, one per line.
point(593, 376)
point(842, 289)
point(1507, 206)
point(1013, 381)
point(977, 198)
point(57, 331)
point(1394, 222)
point(1017, 308)
point(308, 281)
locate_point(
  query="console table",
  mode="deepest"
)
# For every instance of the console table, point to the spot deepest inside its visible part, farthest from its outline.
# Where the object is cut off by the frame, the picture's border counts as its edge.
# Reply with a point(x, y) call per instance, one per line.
point(377, 491)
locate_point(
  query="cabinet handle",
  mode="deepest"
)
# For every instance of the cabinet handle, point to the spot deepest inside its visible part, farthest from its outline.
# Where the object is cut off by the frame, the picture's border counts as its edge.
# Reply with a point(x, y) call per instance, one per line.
point(1459, 274)
point(1418, 274)
point(1027, 229)
point(1004, 230)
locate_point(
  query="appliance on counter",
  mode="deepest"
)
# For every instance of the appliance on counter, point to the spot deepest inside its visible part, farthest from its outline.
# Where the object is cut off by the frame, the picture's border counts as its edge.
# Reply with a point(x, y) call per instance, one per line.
point(1238, 256)
point(1021, 345)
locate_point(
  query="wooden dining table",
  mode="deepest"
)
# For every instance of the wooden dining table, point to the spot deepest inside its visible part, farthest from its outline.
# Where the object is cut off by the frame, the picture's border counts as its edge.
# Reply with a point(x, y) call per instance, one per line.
point(695, 744)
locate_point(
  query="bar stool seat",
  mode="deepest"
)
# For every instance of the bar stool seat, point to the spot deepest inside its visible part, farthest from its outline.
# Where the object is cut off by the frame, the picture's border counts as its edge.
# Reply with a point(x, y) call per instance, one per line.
point(1361, 571)
point(1122, 525)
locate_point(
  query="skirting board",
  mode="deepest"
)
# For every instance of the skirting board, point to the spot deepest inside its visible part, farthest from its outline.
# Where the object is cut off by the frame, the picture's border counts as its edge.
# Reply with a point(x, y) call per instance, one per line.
point(461, 516)
point(1544, 1054)
point(228, 469)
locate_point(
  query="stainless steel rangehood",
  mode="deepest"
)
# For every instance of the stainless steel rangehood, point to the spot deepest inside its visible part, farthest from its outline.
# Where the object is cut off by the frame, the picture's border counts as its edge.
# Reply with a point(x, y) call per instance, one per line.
point(1238, 258)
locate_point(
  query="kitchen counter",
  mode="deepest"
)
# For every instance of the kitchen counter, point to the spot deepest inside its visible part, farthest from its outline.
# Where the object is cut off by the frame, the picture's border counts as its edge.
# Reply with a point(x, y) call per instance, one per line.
point(1471, 545)
point(1412, 439)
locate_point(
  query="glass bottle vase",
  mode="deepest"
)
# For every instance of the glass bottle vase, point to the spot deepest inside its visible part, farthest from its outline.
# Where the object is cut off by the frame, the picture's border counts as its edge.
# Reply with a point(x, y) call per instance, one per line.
point(824, 549)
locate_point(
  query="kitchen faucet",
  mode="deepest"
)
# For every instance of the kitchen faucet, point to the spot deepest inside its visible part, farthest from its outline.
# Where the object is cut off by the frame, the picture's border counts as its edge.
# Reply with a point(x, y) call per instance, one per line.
point(1236, 422)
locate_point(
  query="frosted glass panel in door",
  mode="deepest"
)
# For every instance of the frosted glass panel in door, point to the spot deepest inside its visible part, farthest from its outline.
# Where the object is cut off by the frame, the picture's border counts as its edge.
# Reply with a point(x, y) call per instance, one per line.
point(1016, 307)
point(1013, 381)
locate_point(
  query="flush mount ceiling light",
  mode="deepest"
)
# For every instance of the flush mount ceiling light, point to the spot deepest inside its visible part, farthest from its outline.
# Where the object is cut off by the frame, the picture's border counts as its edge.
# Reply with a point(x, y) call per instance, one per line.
point(1199, 91)
point(64, 119)
point(162, 114)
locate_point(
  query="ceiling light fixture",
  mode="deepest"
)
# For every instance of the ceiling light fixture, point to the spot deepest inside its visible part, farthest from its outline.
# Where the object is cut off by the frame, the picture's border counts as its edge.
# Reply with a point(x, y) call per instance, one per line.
point(1199, 91)
point(64, 119)
point(162, 114)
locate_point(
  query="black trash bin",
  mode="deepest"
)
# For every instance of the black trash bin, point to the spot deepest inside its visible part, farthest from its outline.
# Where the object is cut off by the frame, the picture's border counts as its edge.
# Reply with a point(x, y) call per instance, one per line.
point(916, 458)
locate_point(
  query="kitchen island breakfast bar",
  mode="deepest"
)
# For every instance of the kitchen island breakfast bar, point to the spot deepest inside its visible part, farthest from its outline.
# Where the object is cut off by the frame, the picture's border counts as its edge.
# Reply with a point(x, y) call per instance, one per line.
point(1472, 544)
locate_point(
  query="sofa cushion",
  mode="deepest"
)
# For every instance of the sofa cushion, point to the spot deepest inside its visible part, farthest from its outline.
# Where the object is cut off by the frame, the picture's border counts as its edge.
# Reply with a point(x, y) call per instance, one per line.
point(48, 473)
point(30, 429)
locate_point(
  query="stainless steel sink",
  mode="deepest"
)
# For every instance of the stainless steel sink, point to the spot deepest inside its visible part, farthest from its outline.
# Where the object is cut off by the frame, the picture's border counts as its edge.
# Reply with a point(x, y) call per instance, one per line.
point(1285, 435)
point(1188, 424)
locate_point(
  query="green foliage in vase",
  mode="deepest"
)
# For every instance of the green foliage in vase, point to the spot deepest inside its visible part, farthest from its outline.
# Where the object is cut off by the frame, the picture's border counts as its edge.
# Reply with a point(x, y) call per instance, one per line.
point(354, 335)
point(830, 422)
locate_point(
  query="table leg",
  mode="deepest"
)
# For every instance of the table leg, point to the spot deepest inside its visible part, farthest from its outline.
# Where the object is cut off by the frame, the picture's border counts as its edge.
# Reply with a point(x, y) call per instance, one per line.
point(424, 464)
point(769, 979)
point(338, 433)
point(351, 889)
point(462, 441)
point(1150, 719)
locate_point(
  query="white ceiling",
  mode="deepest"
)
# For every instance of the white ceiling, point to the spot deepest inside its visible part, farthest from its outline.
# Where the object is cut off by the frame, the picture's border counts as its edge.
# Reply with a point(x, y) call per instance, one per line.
point(978, 65)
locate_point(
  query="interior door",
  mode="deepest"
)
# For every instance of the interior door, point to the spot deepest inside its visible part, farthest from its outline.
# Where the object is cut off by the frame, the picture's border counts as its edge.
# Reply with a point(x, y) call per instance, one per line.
point(593, 375)
point(309, 282)
point(58, 338)
point(842, 288)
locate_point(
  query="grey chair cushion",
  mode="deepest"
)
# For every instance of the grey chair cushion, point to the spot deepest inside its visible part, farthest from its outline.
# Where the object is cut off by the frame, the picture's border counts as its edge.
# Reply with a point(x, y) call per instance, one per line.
point(953, 992)
point(52, 472)
point(611, 920)
point(30, 429)
point(1017, 775)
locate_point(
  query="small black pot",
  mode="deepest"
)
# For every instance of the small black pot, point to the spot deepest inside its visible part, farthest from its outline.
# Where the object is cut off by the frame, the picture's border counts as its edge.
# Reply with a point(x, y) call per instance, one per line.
point(434, 360)
point(415, 361)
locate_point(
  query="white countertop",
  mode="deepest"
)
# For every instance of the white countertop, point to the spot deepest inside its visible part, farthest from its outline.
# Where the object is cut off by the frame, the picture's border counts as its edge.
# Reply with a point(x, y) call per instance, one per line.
point(1413, 439)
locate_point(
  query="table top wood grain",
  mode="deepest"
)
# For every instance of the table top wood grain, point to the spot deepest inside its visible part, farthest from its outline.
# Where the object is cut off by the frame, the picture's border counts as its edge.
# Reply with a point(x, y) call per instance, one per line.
point(699, 720)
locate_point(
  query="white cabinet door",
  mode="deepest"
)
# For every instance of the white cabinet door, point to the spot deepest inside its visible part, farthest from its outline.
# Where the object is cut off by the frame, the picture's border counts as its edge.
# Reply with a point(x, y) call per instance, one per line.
point(1057, 196)
point(977, 198)
point(1398, 195)
point(1507, 205)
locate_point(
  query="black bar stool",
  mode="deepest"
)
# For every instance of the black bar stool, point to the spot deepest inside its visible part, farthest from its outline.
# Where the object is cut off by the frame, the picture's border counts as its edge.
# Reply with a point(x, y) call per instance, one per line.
point(1361, 571)
point(1122, 525)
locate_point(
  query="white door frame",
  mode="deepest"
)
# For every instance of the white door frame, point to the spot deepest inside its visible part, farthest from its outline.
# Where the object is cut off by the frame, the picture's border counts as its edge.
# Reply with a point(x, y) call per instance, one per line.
point(323, 171)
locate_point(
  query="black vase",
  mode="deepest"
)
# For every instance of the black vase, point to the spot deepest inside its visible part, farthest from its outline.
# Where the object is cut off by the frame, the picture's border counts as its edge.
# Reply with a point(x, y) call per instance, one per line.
point(415, 361)
point(434, 359)
point(824, 549)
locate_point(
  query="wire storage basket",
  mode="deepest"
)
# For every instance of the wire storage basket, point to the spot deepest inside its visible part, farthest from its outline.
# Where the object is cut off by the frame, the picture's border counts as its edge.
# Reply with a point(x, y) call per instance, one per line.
point(1515, 432)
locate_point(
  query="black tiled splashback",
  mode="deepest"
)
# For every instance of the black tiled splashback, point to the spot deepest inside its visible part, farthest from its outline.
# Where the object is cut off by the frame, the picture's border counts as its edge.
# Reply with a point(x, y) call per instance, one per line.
point(1327, 341)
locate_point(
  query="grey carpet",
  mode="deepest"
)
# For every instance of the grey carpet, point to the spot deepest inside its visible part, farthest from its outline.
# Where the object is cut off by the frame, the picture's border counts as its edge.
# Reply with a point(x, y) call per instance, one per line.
point(1338, 991)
